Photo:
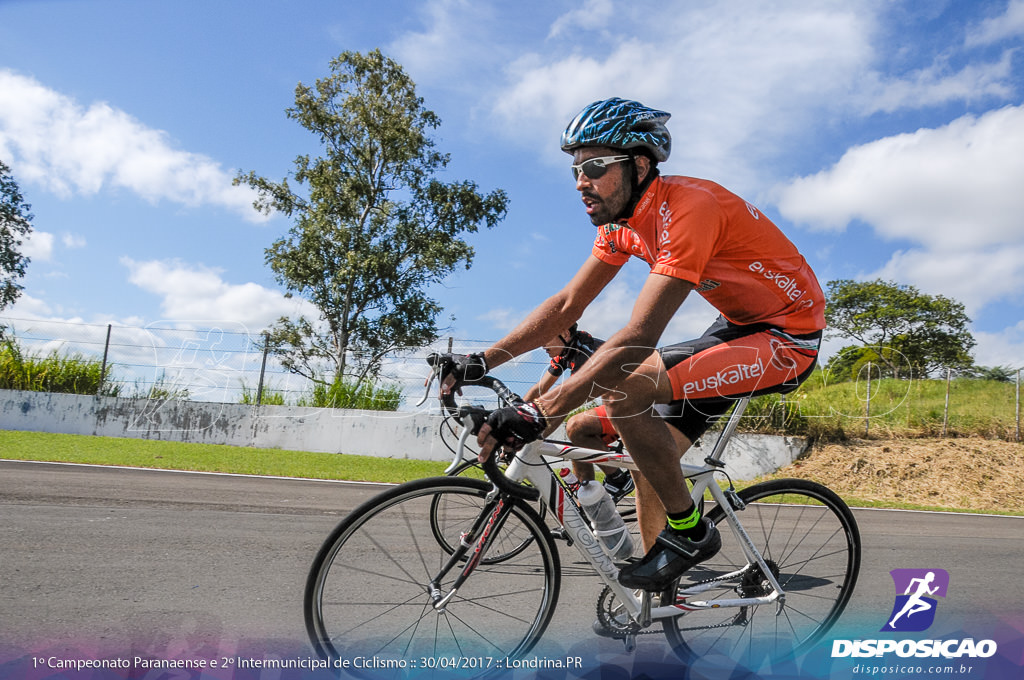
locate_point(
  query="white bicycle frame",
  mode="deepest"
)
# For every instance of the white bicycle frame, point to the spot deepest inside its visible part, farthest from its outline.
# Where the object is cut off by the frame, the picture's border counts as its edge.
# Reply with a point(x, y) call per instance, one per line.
point(532, 463)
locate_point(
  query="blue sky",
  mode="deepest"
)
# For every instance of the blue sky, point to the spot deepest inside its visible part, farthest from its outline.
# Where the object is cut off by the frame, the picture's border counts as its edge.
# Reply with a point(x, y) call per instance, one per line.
point(886, 138)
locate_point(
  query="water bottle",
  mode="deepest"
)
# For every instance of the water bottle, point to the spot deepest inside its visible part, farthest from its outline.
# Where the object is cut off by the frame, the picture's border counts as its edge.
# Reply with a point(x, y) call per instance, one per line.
point(569, 478)
point(608, 526)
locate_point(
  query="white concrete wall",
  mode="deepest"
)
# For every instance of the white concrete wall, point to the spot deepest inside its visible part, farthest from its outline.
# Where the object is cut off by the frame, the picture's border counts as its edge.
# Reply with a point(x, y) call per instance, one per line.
point(367, 433)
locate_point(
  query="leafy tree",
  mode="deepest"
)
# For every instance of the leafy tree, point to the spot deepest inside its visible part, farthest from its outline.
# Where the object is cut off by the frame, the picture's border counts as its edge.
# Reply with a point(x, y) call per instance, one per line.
point(374, 228)
point(900, 325)
point(997, 373)
point(850, 363)
point(15, 224)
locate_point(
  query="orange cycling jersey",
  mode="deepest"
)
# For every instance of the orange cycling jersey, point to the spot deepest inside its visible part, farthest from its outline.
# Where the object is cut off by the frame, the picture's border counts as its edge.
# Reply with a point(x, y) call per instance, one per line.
point(737, 259)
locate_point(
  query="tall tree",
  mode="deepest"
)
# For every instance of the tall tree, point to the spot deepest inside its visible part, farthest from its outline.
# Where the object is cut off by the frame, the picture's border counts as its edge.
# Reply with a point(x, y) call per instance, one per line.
point(15, 225)
point(374, 226)
point(900, 325)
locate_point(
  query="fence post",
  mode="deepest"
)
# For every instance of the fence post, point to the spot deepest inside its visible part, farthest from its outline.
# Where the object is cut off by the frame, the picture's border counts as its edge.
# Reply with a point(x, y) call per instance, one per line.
point(103, 366)
point(867, 408)
point(263, 369)
point(945, 410)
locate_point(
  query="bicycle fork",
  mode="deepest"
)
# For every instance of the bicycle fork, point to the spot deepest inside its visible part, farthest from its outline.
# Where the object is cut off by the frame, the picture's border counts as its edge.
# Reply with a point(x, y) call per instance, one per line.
point(477, 539)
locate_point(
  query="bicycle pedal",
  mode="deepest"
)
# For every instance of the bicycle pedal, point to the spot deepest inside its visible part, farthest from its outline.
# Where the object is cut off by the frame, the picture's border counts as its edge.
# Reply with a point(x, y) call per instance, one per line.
point(630, 642)
point(560, 534)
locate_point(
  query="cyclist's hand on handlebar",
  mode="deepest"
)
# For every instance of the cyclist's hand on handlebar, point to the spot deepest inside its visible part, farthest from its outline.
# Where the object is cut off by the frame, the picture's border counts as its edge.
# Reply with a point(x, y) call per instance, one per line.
point(458, 369)
point(512, 426)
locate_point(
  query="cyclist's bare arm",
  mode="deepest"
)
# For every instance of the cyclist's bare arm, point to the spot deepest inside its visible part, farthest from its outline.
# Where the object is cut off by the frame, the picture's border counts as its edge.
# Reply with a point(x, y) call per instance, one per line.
point(628, 349)
point(555, 314)
point(542, 386)
point(658, 301)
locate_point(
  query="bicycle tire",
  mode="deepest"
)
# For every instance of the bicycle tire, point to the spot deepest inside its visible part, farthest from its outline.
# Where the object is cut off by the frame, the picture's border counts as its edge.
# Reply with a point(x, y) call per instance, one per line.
point(367, 591)
point(808, 535)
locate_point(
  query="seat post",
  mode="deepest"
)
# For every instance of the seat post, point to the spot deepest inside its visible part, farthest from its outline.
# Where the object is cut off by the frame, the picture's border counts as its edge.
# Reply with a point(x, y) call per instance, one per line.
point(715, 457)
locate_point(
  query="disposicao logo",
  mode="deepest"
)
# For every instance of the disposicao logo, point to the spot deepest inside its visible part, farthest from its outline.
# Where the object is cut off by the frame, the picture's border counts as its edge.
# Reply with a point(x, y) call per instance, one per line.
point(916, 590)
point(914, 611)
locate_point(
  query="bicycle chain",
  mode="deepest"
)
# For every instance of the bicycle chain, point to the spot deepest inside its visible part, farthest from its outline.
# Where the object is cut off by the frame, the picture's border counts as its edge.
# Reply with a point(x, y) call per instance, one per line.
point(605, 615)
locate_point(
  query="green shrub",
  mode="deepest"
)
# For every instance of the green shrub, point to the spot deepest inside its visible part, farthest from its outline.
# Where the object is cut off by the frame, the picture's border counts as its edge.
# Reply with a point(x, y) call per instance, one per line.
point(344, 393)
point(270, 397)
point(67, 374)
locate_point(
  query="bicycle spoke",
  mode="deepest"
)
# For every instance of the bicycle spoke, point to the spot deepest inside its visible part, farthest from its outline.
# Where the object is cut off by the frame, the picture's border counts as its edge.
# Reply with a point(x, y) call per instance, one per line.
point(807, 539)
point(363, 594)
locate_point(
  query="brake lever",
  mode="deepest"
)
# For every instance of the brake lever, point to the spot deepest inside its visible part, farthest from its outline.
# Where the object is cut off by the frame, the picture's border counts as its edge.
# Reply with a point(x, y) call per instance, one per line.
point(428, 383)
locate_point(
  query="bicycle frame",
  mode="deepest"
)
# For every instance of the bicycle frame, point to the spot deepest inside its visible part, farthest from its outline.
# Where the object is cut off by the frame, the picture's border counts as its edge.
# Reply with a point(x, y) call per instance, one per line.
point(532, 463)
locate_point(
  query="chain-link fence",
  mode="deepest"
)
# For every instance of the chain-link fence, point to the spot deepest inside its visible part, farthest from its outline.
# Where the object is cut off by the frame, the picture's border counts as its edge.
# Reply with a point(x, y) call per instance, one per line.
point(226, 363)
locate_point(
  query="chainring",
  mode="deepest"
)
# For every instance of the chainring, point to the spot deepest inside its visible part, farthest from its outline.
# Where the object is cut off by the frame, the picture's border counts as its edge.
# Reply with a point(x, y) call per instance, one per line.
point(613, 617)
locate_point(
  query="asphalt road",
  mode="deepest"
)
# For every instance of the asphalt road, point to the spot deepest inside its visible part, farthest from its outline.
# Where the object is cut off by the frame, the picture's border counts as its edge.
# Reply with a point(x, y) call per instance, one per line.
point(102, 561)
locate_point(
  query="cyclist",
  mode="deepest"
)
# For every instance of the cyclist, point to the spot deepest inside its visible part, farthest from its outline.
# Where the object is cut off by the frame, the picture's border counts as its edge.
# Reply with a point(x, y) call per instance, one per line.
point(591, 429)
point(694, 235)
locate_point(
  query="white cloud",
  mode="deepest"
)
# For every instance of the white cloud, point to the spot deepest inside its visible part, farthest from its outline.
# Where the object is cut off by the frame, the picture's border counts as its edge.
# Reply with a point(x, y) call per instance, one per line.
point(730, 75)
point(745, 82)
point(72, 241)
point(953, 192)
point(53, 141)
point(999, 28)
point(1005, 348)
point(973, 277)
point(27, 307)
point(595, 14)
point(38, 246)
point(456, 42)
point(953, 187)
point(198, 294)
point(936, 85)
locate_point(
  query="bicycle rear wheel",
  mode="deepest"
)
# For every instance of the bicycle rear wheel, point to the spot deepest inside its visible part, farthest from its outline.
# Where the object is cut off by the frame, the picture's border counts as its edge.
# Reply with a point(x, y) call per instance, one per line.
point(809, 540)
point(367, 594)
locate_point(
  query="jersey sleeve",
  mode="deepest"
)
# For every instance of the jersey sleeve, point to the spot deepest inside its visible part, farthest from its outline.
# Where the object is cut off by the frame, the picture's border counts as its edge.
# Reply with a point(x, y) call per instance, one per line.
point(557, 366)
point(606, 250)
point(685, 249)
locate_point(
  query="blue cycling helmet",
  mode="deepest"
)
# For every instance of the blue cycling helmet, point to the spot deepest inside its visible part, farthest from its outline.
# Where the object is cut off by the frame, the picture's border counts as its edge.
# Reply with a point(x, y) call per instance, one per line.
point(620, 124)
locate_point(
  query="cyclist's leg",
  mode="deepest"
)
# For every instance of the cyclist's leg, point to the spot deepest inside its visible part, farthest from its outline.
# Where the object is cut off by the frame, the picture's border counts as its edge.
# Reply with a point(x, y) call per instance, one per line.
point(728, 361)
point(650, 513)
point(646, 436)
point(584, 429)
point(591, 429)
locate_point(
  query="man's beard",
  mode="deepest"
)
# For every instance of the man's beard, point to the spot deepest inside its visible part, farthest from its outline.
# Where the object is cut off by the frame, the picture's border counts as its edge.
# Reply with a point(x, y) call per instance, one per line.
point(609, 210)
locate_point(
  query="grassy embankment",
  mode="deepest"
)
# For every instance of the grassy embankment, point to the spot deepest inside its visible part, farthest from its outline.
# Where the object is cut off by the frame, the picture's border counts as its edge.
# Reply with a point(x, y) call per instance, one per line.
point(831, 415)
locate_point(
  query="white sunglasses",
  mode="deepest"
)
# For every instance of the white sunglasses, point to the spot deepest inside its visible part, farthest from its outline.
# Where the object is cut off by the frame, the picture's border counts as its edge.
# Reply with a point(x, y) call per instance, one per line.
point(596, 167)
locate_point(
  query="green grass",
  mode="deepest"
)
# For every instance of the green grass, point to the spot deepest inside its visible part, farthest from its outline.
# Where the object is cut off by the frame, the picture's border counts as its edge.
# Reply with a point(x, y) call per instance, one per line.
point(915, 408)
point(163, 455)
point(146, 453)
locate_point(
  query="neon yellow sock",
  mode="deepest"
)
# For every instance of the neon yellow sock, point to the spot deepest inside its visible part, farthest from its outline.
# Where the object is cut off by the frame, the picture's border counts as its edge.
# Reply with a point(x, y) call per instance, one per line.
point(683, 521)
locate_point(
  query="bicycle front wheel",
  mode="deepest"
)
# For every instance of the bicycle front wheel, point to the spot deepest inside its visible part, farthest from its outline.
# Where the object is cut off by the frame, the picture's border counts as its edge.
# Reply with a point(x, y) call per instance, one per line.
point(810, 542)
point(368, 593)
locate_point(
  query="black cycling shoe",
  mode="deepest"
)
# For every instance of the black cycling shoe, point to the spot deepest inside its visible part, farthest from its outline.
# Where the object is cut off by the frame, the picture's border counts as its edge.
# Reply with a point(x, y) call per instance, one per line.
point(619, 484)
point(671, 555)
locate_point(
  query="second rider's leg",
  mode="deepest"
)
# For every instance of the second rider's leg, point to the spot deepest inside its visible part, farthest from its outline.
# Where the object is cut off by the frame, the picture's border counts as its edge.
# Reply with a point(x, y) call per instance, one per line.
point(591, 429)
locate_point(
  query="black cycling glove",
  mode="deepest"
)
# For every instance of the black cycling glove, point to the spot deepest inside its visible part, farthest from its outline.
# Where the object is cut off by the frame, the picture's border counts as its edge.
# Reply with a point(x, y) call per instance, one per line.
point(465, 368)
point(516, 426)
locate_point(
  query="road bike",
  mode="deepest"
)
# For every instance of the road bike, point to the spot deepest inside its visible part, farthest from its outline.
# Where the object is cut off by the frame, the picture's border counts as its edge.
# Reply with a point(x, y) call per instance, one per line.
point(464, 459)
point(465, 569)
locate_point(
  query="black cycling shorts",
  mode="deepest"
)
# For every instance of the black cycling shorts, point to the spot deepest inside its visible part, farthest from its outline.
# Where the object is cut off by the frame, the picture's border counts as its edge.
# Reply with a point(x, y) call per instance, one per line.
point(730, 362)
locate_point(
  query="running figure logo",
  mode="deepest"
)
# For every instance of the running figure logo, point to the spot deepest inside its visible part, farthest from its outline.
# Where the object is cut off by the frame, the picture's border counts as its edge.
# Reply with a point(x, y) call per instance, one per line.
point(914, 609)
